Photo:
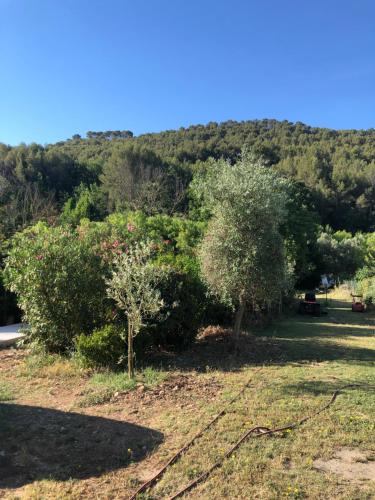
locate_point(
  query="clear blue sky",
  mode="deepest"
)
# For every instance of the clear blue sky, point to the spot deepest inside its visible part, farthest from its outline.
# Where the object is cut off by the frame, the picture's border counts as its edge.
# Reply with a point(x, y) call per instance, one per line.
point(69, 66)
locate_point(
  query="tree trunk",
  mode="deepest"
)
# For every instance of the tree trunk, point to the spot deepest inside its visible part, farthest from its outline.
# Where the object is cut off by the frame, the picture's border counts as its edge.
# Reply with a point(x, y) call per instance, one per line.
point(238, 320)
point(130, 353)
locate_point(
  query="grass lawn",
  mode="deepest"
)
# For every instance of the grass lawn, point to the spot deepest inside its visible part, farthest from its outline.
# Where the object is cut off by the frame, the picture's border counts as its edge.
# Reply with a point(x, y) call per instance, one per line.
point(67, 433)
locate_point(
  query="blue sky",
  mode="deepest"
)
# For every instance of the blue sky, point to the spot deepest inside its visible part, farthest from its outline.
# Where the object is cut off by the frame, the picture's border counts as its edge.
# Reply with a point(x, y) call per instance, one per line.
point(69, 66)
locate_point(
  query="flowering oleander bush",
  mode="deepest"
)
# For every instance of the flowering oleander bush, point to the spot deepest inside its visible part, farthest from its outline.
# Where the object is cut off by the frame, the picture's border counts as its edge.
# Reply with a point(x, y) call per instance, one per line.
point(59, 281)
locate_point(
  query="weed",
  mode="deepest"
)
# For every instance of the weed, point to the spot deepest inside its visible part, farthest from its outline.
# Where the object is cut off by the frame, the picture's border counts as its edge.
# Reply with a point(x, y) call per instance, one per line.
point(92, 398)
point(151, 377)
point(112, 381)
point(5, 392)
point(52, 366)
point(103, 386)
point(35, 362)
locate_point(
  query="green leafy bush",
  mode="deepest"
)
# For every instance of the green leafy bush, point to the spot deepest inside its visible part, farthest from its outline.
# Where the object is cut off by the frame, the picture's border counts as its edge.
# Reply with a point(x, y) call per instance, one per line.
point(104, 347)
point(59, 283)
point(365, 284)
point(340, 254)
point(174, 242)
point(88, 203)
point(182, 313)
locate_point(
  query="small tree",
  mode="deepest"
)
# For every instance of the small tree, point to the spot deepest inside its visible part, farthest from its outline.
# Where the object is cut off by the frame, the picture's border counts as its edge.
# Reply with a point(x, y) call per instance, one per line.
point(242, 253)
point(133, 286)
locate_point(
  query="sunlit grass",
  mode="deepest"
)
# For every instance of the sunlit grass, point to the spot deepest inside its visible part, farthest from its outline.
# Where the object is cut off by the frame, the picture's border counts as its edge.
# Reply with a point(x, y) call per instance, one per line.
point(45, 365)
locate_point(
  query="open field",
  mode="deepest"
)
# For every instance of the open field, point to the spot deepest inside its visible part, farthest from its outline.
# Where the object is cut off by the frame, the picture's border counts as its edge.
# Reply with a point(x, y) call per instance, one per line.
point(67, 433)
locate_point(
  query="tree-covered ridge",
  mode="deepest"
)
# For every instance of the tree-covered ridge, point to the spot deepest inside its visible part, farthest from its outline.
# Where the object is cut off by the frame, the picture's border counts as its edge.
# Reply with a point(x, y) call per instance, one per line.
point(336, 167)
point(274, 139)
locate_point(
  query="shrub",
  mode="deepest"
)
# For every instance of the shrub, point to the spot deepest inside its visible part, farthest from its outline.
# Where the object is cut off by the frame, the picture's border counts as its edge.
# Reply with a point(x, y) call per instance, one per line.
point(104, 347)
point(368, 290)
point(59, 283)
point(339, 253)
point(169, 234)
point(187, 305)
point(182, 313)
point(365, 284)
point(88, 202)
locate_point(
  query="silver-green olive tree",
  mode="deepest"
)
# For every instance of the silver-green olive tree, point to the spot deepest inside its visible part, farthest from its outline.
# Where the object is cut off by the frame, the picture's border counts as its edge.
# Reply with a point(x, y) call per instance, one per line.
point(134, 287)
point(242, 254)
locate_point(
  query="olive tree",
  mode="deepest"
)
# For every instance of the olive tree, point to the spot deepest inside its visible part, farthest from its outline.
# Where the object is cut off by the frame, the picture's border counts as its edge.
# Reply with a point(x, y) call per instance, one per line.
point(242, 253)
point(133, 286)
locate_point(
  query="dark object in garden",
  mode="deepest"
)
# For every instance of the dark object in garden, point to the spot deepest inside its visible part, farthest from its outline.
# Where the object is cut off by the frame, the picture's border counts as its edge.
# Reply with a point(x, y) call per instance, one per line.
point(309, 305)
point(310, 297)
point(357, 303)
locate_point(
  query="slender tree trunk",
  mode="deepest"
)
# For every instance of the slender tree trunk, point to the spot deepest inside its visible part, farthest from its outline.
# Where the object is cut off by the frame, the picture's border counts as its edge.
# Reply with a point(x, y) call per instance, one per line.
point(238, 320)
point(130, 352)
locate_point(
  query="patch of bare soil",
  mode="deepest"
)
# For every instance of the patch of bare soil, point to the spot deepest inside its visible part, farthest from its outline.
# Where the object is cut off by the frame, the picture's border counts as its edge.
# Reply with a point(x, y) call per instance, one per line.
point(10, 359)
point(178, 389)
point(352, 464)
point(215, 348)
point(216, 341)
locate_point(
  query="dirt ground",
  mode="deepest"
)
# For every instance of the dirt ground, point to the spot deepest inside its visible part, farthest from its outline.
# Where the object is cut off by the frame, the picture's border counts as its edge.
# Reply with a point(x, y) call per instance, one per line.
point(352, 464)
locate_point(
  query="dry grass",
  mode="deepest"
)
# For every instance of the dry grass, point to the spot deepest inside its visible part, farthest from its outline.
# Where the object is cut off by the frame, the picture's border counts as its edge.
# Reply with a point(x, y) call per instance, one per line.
point(308, 358)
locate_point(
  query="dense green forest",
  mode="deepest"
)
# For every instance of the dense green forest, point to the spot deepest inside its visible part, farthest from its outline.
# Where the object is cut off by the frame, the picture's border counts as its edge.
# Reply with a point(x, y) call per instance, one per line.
point(150, 182)
point(336, 167)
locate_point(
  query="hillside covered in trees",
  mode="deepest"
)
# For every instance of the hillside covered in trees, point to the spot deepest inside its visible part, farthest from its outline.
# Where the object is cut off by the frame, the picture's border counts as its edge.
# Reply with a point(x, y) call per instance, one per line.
point(336, 170)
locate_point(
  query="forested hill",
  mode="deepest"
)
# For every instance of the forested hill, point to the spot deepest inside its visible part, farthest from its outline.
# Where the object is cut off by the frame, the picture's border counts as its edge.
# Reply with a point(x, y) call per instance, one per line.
point(274, 139)
point(337, 167)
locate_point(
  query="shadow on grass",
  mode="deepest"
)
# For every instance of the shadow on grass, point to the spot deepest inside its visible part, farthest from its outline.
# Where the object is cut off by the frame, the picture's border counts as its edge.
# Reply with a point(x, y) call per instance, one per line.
point(319, 387)
point(324, 338)
point(320, 350)
point(296, 339)
point(41, 443)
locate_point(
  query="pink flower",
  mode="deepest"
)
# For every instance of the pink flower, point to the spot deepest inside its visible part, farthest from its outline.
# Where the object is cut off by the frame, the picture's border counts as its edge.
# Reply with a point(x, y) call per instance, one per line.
point(131, 227)
point(39, 257)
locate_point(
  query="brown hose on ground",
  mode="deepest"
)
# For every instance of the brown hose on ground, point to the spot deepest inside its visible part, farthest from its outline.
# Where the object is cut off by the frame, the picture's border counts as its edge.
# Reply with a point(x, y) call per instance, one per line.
point(259, 431)
point(158, 475)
